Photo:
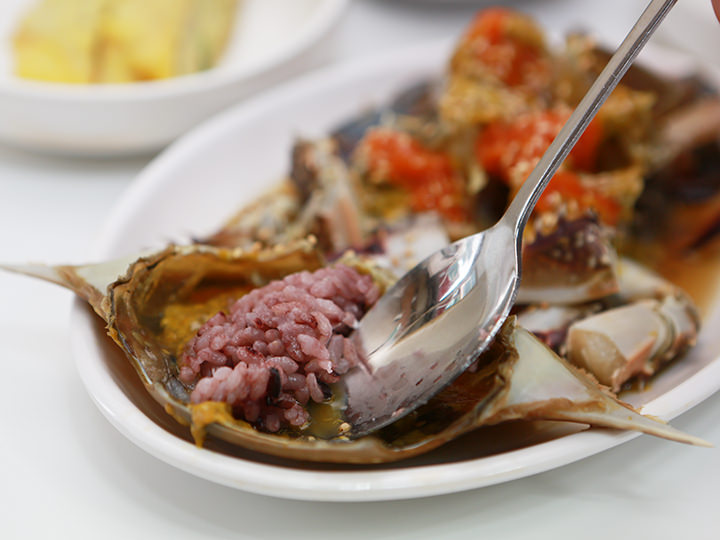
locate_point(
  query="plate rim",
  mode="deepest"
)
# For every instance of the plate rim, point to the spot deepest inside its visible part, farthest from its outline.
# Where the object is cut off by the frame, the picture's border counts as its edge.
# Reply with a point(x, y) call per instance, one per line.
point(357, 485)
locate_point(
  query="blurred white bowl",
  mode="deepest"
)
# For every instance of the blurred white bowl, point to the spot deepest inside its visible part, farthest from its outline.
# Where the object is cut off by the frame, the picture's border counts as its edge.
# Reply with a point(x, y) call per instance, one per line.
point(692, 27)
point(141, 117)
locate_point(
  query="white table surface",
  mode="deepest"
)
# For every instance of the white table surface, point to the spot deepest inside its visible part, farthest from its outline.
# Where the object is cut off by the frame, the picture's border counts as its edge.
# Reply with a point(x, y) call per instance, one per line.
point(65, 472)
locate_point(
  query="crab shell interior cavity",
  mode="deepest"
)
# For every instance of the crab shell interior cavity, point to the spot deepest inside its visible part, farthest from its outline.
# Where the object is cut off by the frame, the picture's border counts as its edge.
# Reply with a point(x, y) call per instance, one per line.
point(164, 298)
point(154, 309)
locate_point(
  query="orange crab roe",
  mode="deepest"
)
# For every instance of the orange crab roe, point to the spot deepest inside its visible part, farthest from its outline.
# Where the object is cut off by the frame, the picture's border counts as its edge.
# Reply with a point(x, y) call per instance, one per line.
point(502, 41)
point(427, 175)
point(504, 146)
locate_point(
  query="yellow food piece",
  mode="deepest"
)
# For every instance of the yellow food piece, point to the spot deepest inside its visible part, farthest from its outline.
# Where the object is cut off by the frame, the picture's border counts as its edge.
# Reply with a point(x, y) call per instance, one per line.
point(92, 41)
point(56, 41)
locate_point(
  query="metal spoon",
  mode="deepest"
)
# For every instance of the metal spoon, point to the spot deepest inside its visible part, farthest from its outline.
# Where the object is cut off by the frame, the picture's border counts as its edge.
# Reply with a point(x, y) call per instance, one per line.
point(430, 326)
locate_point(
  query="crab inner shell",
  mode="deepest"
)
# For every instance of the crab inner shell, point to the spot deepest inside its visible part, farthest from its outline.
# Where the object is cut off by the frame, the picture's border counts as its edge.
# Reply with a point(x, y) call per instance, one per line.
point(280, 346)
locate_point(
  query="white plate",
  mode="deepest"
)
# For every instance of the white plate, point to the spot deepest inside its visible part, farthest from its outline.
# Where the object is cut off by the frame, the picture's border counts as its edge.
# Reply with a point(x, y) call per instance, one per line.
point(693, 27)
point(202, 179)
point(139, 117)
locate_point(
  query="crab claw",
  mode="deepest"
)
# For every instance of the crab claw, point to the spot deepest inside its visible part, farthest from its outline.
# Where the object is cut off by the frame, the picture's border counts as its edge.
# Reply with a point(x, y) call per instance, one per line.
point(631, 340)
point(658, 324)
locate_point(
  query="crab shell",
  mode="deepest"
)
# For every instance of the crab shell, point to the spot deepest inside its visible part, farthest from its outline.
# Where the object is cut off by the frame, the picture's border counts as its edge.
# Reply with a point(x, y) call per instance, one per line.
point(156, 305)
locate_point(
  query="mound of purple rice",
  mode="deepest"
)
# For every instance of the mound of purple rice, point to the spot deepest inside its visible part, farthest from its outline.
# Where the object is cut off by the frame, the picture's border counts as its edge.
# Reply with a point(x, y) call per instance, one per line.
point(280, 346)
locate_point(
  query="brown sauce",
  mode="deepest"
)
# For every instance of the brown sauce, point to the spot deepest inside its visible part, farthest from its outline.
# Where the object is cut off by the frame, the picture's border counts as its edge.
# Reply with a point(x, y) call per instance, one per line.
point(697, 272)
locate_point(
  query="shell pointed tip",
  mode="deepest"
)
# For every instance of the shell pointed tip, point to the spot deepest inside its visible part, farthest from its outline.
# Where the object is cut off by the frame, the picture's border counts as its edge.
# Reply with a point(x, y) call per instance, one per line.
point(697, 441)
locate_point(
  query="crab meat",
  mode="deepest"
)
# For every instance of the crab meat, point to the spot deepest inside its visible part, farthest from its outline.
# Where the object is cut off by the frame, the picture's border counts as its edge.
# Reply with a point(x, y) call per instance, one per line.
point(316, 199)
point(570, 265)
point(550, 323)
point(633, 340)
point(330, 209)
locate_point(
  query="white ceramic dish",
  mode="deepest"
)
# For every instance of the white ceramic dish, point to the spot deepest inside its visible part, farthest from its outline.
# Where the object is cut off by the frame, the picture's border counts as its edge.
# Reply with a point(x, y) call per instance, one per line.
point(202, 179)
point(693, 27)
point(268, 39)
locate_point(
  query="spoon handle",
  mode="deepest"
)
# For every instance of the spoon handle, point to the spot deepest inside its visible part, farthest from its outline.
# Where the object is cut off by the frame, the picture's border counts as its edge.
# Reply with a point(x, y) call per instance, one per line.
point(522, 205)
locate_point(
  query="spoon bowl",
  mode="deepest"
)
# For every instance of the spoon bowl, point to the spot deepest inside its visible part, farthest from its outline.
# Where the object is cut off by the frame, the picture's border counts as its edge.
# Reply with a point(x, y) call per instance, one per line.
point(431, 324)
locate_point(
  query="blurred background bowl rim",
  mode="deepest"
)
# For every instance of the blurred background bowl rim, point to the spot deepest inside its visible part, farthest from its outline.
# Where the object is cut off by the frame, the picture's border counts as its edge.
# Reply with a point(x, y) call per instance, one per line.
point(327, 13)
